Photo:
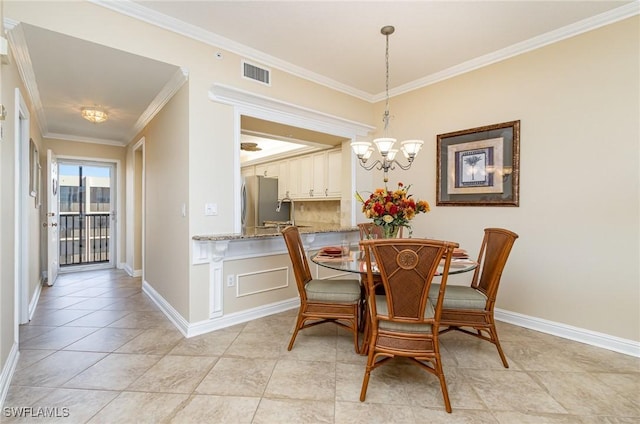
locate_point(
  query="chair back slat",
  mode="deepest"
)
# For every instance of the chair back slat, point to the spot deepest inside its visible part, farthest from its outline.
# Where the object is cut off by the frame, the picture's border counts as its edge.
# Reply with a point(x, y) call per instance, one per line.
point(301, 269)
point(494, 252)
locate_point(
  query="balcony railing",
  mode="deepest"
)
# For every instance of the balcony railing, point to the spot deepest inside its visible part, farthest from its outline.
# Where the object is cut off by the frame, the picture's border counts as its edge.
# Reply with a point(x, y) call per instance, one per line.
point(84, 239)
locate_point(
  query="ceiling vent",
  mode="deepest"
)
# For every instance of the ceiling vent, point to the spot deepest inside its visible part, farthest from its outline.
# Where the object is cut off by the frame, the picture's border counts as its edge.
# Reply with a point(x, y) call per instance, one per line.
point(256, 73)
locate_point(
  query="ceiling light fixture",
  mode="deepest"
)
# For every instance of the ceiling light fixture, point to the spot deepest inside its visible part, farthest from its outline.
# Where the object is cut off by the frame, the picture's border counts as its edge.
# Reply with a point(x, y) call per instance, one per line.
point(250, 147)
point(94, 114)
point(409, 148)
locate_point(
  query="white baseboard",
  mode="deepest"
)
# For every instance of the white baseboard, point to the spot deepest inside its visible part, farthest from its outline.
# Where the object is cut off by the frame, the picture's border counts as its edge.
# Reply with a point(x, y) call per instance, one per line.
point(229, 320)
point(616, 344)
point(174, 316)
point(202, 327)
point(7, 372)
point(34, 300)
point(613, 343)
point(132, 272)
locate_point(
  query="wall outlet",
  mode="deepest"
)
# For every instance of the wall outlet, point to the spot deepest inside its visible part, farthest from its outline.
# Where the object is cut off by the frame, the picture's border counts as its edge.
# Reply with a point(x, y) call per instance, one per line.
point(231, 280)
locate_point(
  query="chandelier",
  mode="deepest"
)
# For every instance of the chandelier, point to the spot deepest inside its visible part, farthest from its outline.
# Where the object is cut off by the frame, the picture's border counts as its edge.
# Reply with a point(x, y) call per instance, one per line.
point(94, 114)
point(409, 148)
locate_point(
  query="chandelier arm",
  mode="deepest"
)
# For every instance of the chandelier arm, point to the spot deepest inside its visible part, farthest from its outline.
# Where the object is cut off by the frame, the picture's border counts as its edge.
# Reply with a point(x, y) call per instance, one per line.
point(404, 167)
point(370, 167)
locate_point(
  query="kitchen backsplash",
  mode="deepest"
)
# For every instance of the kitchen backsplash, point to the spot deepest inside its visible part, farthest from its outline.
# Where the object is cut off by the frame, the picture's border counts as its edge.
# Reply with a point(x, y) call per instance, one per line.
point(321, 211)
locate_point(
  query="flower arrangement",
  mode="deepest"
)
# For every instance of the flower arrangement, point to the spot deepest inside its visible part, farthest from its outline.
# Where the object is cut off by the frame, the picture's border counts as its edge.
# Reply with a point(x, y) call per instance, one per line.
point(392, 209)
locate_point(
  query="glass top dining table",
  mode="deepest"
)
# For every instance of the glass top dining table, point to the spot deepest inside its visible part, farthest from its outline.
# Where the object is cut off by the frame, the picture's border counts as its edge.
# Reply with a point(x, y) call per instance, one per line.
point(355, 262)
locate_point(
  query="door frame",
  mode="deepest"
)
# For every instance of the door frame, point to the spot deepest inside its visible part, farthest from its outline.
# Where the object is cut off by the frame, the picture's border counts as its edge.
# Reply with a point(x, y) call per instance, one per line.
point(21, 208)
point(136, 186)
point(116, 197)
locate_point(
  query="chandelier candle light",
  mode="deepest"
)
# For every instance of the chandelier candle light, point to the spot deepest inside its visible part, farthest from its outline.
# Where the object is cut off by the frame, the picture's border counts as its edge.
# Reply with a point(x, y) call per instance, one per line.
point(410, 148)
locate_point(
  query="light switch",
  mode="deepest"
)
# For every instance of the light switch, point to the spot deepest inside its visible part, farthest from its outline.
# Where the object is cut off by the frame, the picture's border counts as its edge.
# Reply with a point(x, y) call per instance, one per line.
point(211, 209)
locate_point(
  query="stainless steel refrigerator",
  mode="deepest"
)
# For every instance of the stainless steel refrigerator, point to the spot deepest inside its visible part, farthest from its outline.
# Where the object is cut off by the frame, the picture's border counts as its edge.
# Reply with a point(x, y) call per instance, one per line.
point(260, 200)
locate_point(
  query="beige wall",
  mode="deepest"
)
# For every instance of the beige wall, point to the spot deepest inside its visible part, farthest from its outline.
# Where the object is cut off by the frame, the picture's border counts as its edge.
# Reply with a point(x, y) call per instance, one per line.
point(8, 219)
point(576, 261)
point(166, 191)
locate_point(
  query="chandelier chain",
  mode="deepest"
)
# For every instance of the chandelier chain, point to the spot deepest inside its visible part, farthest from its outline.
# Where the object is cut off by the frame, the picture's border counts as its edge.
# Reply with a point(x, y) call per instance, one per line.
point(386, 117)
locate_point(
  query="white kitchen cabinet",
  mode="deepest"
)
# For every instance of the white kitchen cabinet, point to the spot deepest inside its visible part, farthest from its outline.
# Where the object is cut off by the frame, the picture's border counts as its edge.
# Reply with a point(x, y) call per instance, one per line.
point(315, 176)
point(269, 170)
point(284, 189)
point(305, 177)
point(318, 186)
point(248, 171)
point(333, 176)
point(293, 182)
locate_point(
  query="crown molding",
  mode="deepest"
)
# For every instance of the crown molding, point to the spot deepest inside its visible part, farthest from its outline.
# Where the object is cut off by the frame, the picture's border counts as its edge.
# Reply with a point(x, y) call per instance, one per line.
point(79, 139)
point(21, 55)
point(170, 88)
point(152, 17)
point(139, 12)
point(286, 113)
point(534, 43)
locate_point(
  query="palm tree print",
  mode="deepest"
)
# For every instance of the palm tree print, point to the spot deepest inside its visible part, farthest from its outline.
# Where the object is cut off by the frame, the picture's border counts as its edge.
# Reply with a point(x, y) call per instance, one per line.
point(472, 161)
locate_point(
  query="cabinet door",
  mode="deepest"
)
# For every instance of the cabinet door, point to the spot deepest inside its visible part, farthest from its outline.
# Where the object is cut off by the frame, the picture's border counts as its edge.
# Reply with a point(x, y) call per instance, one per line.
point(319, 172)
point(268, 170)
point(273, 170)
point(294, 179)
point(283, 179)
point(248, 171)
point(334, 173)
point(305, 177)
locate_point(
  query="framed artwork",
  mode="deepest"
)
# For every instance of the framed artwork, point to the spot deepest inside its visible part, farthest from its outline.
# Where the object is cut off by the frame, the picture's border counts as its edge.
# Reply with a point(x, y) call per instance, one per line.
point(479, 166)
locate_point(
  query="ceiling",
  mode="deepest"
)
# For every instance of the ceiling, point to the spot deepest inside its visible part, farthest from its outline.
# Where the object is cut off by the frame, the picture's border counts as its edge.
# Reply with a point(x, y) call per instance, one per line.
point(335, 43)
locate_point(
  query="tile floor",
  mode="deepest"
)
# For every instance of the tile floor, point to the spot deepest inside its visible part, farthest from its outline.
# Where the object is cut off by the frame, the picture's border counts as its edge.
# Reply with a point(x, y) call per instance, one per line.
point(99, 351)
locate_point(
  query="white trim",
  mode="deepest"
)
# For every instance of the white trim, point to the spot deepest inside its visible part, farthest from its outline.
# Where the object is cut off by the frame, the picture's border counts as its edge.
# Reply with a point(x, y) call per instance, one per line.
point(174, 316)
point(153, 17)
point(7, 371)
point(25, 69)
point(248, 103)
point(593, 338)
point(158, 19)
point(170, 88)
point(238, 281)
point(517, 49)
point(83, 139)
point(229, 320)
point(34, 300)
point(131, 272)
point(21, 211)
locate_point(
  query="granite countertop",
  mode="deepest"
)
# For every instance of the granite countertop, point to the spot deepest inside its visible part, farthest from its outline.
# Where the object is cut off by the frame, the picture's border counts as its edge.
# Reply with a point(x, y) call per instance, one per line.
point(262, 232)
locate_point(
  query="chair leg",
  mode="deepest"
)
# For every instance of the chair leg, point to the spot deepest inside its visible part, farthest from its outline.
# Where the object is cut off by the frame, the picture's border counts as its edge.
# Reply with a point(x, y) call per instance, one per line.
point(494, 338)
point(443, 384)
point(367, 374)
point(299, 323)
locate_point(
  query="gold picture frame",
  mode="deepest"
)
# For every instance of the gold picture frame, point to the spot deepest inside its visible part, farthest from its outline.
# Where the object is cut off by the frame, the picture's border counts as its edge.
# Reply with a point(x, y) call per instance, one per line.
point(479, 166)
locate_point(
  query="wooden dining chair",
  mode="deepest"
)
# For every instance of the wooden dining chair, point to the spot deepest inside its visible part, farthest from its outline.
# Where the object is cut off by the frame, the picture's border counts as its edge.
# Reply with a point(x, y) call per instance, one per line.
point(404, 321)
point(472, 306)
point(321, 301)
